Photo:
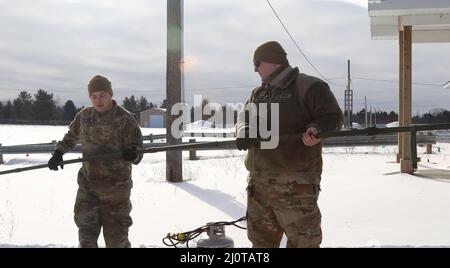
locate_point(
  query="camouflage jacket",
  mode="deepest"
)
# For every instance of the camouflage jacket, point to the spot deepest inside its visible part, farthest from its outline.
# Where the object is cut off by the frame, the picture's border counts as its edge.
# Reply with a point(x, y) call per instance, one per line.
point(100, 133)
point(304, 101)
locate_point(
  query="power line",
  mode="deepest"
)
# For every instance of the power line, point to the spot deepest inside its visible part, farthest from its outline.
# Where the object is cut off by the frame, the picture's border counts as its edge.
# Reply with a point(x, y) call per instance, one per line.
point(295, 43)
point(217, 88)
point(396, 82)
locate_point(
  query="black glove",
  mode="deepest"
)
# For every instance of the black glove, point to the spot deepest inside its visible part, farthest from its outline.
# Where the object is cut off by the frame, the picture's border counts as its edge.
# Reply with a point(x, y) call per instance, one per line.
point(55, 160)
point(130, 154)
point(244, 143)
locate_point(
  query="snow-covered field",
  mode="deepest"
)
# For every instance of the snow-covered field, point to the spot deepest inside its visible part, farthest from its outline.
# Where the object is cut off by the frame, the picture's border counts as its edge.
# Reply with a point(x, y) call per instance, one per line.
point(365, 201)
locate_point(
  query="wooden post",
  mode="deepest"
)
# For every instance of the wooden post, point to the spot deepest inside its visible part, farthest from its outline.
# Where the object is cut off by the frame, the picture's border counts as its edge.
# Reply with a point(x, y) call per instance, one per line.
point(429, 145)
point(414, 157)
point(406, 161)
point(400, 94)
point(192, 153)
point(1, 156)
point(174, 164)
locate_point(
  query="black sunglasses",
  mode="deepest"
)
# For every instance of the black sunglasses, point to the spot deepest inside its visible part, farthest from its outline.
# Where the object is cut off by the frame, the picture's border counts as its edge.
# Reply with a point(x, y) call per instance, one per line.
point(257, 63)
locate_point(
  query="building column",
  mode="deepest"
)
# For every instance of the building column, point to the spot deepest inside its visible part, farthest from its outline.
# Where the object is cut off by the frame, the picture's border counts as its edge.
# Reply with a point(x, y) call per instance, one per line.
point(400, 93)
point(406, 161)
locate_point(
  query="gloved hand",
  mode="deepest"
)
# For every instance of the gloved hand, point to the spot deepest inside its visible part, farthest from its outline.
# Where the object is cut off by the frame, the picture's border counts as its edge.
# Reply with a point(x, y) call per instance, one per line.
point(130, 154)
point(55, 160)
point(244, 143)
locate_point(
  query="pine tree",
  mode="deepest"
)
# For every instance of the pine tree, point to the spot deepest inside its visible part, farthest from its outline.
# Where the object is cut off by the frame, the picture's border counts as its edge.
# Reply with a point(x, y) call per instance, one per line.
point(8, 110)
point(44, 106)
point(22, 106)
point(130, 104)
point(69, 111)
point(1, 110)
point(143, 104)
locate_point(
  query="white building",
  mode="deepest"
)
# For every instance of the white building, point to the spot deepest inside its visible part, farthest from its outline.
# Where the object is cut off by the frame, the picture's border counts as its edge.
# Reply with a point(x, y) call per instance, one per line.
point(430, 20)
point(409, 21)
point(153, 118)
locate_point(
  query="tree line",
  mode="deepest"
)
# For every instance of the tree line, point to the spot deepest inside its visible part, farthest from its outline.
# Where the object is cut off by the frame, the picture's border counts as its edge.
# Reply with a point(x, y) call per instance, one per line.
point(39, 107)
point(42, 108)
point(434, 116)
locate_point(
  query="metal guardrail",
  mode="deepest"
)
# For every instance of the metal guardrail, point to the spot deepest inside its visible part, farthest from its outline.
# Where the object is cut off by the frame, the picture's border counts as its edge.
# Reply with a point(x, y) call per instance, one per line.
point(118, 154)
point(231, 144)
point(153, 137)
point(329, 142)
point(392, 139)
point(209, 134)
point(410, 130)
point(443, 138)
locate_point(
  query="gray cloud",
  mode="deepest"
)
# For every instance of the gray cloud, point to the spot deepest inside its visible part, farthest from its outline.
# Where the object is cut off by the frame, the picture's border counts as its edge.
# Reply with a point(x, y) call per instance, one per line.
point(59, 45)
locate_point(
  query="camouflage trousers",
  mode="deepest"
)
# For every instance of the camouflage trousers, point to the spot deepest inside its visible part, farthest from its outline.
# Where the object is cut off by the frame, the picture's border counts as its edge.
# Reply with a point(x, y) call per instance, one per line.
point(290, 208)
point(97, 206)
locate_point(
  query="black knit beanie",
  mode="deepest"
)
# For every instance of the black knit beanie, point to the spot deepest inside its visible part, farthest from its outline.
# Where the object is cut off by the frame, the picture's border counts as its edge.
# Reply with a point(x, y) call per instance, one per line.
point(271, 52)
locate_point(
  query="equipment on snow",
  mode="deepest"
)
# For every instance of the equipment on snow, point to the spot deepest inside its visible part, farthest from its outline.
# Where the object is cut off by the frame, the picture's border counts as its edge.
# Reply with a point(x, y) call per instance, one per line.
point(215, 231)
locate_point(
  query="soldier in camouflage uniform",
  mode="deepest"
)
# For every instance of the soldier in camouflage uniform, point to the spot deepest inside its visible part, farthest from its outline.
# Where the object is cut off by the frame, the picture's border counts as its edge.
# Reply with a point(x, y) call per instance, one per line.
point(103, 197)
point(284, 183)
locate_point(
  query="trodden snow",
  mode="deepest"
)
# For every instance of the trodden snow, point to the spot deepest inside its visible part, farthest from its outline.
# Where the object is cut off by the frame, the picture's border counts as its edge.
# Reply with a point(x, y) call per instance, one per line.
point(365, 200)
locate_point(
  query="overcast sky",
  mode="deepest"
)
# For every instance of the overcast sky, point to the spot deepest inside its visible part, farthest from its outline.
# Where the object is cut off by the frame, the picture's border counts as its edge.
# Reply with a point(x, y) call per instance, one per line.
point(58, 45)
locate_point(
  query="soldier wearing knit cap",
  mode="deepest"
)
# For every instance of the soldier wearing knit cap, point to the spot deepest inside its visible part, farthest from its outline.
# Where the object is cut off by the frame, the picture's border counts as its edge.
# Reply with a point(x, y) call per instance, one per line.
point(271, 52)
point(104, 186)
point(100, 93)
point(99, 83)
point(284, 183)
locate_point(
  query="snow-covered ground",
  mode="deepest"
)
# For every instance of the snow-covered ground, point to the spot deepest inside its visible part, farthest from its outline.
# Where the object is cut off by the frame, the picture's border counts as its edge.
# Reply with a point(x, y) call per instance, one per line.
point(365, 201)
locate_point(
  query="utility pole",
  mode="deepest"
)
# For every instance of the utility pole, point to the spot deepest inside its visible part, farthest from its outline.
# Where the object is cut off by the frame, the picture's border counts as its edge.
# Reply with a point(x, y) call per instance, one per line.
point(370, 116)
point(348, 102)
point(375, 117)
point(365, 108)
point(174, 164)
